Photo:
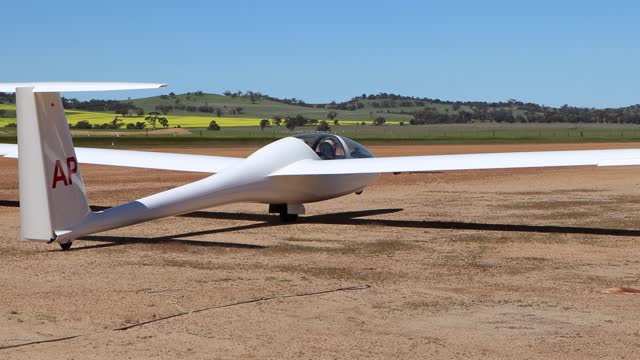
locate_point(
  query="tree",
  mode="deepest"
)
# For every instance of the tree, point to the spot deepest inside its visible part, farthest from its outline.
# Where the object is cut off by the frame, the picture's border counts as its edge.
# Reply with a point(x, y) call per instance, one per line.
point(301, 120)
point(324, 126)
point(336, 122)
point(332, 115)
point(116, 123)
point(131, 126)
point(139, 112)
point(264, 123)
point(83, 124)
point(2, 112)
point(290, 123)
point(120, 108)
point(218, 112)
point(141, 125)
point(213, 125)
point(124, 111)
point(277, 120)
point(164, 109)
point(153, 118)
point(379, 121)
point(164, 122)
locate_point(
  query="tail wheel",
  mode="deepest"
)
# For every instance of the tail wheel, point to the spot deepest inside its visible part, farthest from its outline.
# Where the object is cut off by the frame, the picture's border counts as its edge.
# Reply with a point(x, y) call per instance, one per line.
point(66, 246)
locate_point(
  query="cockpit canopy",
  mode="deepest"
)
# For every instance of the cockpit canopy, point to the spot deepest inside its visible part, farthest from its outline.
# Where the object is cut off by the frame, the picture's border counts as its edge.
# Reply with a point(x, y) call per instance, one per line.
point(333, 147)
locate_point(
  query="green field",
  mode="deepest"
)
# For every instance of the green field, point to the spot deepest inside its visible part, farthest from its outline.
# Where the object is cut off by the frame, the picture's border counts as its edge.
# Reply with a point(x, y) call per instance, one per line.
point(368, 134)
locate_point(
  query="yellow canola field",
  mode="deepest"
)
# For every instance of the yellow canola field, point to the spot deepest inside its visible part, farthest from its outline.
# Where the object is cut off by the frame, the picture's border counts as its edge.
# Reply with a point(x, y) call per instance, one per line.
point(73, 116)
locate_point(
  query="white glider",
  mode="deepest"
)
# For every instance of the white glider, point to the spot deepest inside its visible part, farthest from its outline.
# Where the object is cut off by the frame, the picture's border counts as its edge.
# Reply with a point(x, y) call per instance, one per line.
point(285, 174)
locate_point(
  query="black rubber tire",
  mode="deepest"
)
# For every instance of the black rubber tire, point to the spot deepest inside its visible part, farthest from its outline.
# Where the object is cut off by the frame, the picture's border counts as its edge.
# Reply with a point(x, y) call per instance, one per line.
point(66, 246)
point(288, 217)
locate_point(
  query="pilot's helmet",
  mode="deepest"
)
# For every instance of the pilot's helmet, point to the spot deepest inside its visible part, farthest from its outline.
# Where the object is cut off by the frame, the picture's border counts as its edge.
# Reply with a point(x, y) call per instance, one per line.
point(330, 142)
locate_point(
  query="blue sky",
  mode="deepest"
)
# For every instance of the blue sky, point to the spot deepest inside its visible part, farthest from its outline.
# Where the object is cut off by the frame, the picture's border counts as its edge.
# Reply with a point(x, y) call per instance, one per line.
point(582, 53)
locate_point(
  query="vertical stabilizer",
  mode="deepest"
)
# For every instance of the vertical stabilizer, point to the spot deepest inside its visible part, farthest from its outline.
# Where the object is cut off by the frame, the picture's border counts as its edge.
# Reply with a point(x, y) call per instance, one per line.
point(52, 194)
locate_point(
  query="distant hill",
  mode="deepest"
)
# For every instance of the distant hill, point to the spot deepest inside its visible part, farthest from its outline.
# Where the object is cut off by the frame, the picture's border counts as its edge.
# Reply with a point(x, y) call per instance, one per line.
point(392, 107)
point(363, 108)
point(203, 104)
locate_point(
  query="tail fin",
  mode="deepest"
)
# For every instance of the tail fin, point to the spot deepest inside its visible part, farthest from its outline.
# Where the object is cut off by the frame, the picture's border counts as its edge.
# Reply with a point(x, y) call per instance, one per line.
point(52, 194)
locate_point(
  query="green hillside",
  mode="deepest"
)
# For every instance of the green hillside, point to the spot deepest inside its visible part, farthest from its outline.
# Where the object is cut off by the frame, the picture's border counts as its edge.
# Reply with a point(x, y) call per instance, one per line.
point(258, 107)
point(197, 109)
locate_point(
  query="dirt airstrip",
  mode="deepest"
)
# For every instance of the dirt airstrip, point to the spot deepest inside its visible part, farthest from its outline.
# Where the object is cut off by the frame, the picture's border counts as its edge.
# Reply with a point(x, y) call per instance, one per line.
point(479, 264)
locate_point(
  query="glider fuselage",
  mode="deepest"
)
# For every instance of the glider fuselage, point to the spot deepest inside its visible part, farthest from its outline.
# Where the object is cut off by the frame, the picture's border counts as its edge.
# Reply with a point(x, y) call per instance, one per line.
point(248, 181)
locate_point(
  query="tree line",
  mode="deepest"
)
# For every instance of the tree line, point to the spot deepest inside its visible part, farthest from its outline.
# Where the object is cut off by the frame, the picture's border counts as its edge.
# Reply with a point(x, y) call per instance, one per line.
point(153, 119)
point(167, 108)
point(254, 96)
point(114, 106)
point(524, 114)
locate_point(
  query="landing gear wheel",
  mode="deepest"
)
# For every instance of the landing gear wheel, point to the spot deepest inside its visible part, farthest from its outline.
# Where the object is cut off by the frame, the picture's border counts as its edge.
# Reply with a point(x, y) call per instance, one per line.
point(66, 246)
point(288, 217)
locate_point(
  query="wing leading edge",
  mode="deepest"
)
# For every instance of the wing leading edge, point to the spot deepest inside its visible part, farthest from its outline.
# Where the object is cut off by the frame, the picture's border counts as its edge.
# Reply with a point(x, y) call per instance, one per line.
point(462, 162)
point(143, 159)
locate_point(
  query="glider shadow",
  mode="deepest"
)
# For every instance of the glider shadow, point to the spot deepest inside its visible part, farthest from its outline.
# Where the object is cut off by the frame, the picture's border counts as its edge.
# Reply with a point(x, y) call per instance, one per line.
point(127, 240)
point(341, 218)
point(355, 218)
point(262, 220)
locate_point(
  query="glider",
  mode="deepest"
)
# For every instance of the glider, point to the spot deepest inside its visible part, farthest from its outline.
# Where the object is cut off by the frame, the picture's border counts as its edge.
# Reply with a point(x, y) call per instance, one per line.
point(285, 174)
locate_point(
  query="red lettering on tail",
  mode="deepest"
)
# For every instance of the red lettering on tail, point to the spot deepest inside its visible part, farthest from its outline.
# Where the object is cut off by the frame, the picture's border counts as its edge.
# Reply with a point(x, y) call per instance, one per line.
point(72, 167)
point(59, 173)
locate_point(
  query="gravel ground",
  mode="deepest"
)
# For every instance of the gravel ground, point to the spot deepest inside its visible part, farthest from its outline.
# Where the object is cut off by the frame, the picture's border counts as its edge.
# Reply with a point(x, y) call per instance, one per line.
point(479, 264)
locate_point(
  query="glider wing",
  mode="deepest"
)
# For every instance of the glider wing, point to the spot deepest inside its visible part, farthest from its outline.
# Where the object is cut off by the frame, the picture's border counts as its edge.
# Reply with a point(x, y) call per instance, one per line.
point(462, 162)
point(143, 159)
point(77, 86)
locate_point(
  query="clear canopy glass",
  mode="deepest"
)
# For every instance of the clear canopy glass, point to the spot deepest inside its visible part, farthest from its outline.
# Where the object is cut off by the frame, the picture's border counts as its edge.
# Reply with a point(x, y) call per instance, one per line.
point(333, 147)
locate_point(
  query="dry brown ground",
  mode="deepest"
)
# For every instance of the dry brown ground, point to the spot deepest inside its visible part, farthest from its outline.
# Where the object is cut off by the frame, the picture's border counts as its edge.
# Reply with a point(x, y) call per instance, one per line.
point(481, 264)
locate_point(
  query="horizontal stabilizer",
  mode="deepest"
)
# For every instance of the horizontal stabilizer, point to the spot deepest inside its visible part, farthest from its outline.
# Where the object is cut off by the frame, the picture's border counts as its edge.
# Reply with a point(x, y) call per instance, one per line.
point(77, 86)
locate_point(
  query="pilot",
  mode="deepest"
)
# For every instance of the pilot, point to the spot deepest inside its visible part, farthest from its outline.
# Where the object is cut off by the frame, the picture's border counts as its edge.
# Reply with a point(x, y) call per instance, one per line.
point(327, 149)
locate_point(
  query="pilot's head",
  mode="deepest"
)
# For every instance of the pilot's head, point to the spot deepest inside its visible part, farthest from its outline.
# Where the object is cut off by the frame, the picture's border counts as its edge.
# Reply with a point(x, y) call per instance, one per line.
point(327, 149)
